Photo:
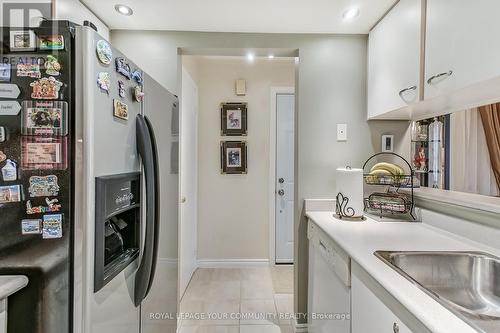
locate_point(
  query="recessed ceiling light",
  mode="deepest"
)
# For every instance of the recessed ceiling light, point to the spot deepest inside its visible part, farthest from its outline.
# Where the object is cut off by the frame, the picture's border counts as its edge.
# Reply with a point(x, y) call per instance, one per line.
point(270, 56)
point(351, 13)
point(250, 57)
point(124, 10)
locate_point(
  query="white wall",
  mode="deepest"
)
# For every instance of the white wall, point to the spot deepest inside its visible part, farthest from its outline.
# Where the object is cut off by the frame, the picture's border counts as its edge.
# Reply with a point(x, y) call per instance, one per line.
point(75, 11)
point(233, 210)
point(331, 89)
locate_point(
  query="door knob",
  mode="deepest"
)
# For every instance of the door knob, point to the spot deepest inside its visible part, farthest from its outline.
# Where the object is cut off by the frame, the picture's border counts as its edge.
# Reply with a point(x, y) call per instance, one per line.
point(281, 180)
point(281, 192)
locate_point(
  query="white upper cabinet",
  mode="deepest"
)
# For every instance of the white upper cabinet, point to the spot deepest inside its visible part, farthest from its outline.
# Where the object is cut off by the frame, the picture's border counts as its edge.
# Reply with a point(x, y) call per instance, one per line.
point(394, 59)
point(462, 44)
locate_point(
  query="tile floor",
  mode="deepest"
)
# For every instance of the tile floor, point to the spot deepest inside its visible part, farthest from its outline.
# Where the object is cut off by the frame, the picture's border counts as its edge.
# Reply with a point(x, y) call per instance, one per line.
point(239, 300)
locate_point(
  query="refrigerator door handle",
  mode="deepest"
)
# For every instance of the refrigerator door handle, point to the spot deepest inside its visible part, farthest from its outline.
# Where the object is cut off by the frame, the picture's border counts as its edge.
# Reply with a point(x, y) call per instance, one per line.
point(156, 202)
point(145, 151)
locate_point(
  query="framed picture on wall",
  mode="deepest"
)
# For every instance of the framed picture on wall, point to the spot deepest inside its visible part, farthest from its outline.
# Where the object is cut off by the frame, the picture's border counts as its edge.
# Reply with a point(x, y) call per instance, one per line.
point(233, 157)
point(388, 143)
point(234, 119)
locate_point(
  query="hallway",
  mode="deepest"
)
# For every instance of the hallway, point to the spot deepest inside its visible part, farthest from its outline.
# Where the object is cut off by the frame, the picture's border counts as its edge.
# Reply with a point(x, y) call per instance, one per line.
point(244, 300)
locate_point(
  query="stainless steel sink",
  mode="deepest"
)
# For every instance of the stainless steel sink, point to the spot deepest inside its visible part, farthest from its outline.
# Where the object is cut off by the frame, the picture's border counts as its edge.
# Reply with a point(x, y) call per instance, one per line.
point(466, 283)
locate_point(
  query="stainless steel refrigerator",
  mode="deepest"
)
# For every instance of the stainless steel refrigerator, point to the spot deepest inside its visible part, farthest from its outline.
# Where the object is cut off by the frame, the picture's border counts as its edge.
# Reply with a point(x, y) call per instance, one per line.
point(108, 261)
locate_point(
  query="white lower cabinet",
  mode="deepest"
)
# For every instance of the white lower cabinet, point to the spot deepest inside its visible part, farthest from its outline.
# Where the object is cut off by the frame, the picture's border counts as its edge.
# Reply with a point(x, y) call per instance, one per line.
point(370, 314)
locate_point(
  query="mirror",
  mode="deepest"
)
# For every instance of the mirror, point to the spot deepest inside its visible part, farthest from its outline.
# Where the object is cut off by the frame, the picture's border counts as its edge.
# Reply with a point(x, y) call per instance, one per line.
point(460, 151)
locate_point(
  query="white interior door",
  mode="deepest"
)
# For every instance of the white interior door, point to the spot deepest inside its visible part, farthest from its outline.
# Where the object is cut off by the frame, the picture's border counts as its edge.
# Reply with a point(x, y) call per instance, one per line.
point(189, 180)
point(285, 113)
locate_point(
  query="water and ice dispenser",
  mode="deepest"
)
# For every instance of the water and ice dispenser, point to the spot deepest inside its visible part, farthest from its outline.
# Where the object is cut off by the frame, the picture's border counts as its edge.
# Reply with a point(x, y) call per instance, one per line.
point(117, 225)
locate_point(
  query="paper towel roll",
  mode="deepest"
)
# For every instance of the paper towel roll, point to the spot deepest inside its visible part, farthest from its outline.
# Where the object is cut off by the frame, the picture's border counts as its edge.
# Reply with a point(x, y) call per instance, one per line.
point(350, 184)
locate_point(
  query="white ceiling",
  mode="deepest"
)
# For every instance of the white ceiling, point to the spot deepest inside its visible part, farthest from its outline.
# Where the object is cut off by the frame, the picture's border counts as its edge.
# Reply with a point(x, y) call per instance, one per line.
point(278, 16)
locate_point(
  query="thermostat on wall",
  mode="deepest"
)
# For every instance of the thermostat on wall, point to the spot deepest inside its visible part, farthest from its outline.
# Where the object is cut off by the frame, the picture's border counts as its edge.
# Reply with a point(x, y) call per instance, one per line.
point(241, 87)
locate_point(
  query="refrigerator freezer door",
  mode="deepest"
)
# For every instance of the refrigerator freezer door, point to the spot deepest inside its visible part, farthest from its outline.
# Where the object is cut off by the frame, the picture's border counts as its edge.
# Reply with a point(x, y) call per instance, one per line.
point(159, 308)
point(106, 145)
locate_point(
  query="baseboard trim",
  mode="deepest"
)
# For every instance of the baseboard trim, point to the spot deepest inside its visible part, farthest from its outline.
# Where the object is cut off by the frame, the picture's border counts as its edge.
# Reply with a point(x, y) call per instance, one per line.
point(299, 328)
point(232, 263)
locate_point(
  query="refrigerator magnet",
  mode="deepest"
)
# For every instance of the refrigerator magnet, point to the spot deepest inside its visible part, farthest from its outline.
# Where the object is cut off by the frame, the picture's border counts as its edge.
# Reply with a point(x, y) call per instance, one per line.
point(120, 110)
point(28, 70)
point(44, 153)
point(10, 194)
point(5, 70)
point(31, 226)
point(123, 68)
point(121, 89)
point(138, 94)
point(46, 88)
point(52, 66)
point(52, 207)
point(9, 171)
point(137, 76)
point(22, 40)
point(104, 52)
point(104, 81)
point(3, 134)
point(43, 186)
point(3, 157)
point(52, 226)
point(44, 118)
point(51, 42)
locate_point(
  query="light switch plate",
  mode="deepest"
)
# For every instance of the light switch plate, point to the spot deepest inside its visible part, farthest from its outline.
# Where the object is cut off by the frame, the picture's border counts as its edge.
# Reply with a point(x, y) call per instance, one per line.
point(341, 132)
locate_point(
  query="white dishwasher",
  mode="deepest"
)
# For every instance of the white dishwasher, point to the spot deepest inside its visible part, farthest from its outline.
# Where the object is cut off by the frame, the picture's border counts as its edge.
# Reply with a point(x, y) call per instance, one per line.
point(329, 289)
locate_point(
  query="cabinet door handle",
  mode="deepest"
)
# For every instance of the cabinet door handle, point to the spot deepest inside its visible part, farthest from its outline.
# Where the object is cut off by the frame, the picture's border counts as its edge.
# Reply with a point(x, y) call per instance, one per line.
point(440, 75)
point(395, 328)
point(412, 88)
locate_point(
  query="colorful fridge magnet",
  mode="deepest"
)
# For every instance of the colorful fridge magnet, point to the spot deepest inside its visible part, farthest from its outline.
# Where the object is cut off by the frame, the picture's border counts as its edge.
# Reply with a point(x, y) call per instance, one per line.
point(52, 42)
point(52, 226)
point(138, 94)
point(104, 81)
point(46, 88)
point(5, 70)
point(52, 207)
point(9, 90)
point(3, 134)
point(3, 157)
point(104, 52)
point(10, 194)
point(122, 67)
point(43, 186)
point(44, 153)
point(31, 226)
point(52, 66)
point(120, 110)
point(137, 76)
point(121, 89)
point(22, 40)
point(9, 171)
point(45, 118)
point(28, 70)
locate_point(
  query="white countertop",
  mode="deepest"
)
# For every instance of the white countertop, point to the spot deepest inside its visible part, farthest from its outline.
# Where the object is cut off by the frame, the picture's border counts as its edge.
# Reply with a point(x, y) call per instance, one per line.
point(361, 239)
point(9, 284)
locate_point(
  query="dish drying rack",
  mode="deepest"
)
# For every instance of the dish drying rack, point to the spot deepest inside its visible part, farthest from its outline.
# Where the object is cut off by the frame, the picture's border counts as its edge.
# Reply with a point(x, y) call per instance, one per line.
point(391, 202)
